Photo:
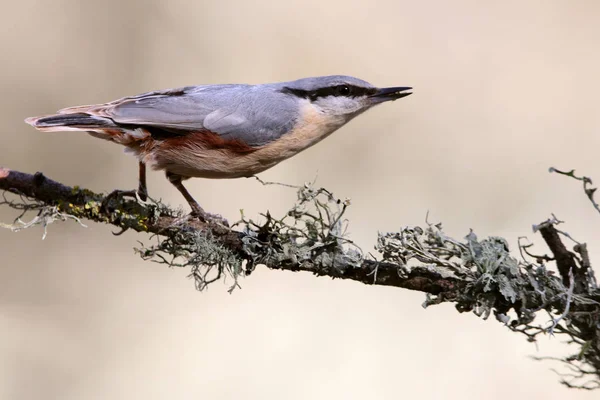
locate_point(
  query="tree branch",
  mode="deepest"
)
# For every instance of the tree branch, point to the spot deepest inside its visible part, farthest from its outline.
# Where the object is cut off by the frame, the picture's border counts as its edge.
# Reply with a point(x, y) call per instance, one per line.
point(157, 219)
point(565, 260)
point(477, 275)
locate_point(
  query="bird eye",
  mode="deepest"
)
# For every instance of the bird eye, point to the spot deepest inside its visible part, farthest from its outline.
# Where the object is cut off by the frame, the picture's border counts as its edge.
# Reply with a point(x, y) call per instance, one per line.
point(343, 90)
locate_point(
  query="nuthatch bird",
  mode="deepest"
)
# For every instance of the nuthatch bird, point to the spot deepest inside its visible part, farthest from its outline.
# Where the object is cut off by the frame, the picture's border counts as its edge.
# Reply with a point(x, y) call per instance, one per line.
point(222, 131)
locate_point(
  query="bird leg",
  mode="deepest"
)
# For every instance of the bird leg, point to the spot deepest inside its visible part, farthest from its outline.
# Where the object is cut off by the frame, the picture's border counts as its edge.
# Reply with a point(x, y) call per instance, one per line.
point(196, 209)
point(142, 188)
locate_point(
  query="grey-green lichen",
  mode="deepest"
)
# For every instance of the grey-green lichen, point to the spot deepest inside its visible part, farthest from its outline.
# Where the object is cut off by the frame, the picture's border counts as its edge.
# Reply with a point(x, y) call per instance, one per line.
point(514, 290)
point(311, 234)
point(45, 216)
point(207, 259)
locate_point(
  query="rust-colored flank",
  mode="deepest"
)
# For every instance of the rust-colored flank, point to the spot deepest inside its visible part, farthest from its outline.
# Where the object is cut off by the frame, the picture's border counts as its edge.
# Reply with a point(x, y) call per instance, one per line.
point(208, 140)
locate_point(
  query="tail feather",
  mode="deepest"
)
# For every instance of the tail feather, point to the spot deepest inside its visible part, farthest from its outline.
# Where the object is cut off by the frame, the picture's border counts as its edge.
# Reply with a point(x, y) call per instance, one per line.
point(62, 122)
point(97, 126)
point(91, 109)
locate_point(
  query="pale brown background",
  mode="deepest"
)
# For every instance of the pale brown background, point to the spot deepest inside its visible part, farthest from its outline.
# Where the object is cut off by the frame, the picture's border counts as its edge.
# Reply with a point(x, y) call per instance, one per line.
point(502, 92)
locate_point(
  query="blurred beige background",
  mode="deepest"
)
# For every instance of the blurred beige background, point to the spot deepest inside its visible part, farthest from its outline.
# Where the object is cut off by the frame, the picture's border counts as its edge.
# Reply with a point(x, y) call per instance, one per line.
point(502, 92)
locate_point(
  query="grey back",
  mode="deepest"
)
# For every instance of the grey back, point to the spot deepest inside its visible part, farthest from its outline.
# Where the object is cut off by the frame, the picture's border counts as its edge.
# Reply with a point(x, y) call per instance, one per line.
point(255, 114)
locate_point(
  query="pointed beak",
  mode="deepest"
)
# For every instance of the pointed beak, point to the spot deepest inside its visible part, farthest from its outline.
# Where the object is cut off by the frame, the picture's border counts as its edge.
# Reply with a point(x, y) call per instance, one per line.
point(392, 93)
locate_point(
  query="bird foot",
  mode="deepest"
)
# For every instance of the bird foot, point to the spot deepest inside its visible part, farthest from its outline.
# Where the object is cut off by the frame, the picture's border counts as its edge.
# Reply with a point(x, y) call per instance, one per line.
point(199, 213)
point(115, 194)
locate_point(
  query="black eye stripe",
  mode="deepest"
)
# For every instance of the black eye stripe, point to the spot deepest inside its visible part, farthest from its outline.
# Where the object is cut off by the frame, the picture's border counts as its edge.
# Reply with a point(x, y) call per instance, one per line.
point(338, 90)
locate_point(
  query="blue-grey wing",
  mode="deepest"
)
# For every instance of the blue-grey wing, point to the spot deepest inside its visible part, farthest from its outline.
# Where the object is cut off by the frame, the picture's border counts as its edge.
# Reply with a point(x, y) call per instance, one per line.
point(242, 112)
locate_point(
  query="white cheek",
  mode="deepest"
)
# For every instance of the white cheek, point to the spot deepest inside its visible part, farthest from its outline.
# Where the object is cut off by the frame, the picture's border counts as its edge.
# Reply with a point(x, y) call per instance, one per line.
point(337, 105)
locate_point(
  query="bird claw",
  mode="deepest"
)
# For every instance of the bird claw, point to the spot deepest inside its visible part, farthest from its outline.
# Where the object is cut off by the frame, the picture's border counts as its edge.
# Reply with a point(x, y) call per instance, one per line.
point(122, 231)
point(220, 220)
